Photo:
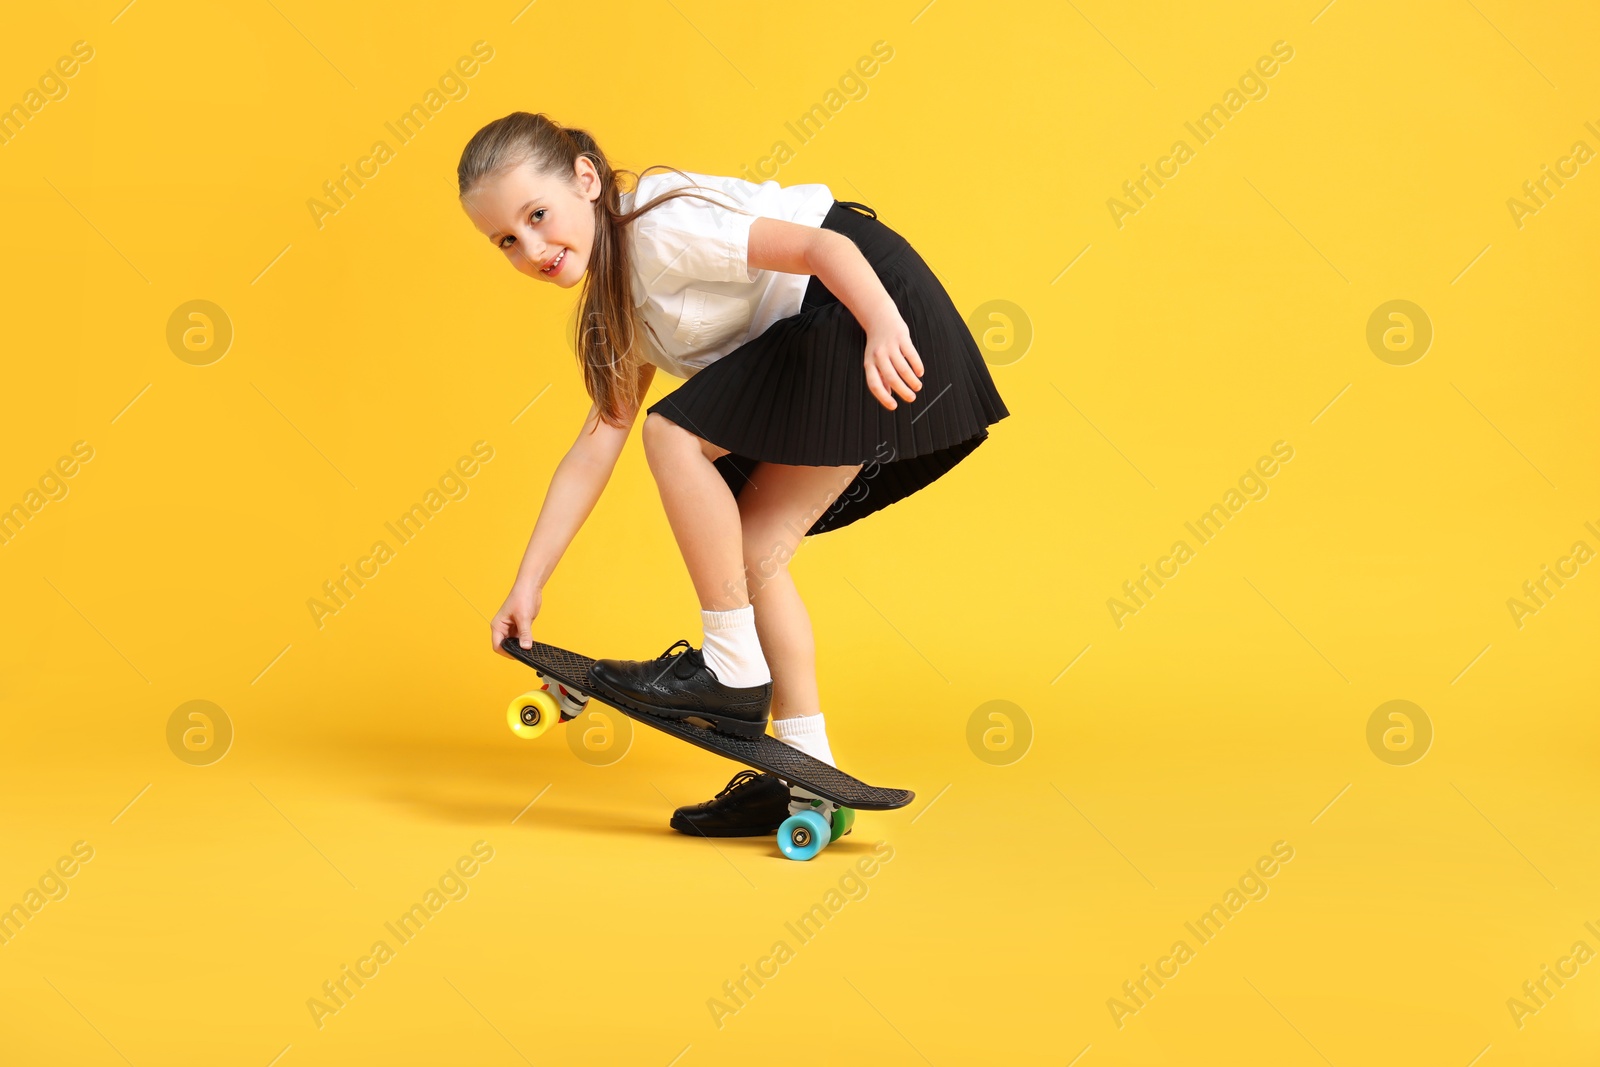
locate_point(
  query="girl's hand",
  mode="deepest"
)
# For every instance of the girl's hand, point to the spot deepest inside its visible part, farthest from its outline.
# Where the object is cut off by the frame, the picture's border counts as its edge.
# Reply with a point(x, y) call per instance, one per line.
point(892, 361)
point(516, 615)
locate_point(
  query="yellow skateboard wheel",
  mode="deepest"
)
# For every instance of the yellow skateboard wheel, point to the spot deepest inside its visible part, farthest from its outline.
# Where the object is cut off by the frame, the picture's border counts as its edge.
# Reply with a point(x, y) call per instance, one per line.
point(532, 713)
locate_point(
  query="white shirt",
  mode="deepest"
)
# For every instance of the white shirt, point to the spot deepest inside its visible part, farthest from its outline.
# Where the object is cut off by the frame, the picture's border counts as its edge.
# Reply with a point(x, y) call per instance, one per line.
point(691, 260)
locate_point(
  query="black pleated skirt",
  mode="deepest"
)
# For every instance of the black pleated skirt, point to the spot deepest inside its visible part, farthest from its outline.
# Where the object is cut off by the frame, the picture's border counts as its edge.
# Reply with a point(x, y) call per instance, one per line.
point(797, 394)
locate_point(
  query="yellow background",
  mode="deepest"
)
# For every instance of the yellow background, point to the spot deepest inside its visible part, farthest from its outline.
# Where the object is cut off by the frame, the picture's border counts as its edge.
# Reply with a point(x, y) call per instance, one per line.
point(1228, 714)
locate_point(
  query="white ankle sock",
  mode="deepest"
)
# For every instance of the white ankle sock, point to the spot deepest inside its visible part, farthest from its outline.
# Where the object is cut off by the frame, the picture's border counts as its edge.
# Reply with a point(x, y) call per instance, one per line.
point(732, 650)
point(807, 733)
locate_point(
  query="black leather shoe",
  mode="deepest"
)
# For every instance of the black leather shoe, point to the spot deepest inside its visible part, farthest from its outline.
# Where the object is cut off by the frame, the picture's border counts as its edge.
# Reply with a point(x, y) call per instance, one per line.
point(682, 687)
point(752, 804)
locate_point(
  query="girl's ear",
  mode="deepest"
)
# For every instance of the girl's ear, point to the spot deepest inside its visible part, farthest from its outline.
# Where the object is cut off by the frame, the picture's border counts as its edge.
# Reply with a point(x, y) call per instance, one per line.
point(588, 178)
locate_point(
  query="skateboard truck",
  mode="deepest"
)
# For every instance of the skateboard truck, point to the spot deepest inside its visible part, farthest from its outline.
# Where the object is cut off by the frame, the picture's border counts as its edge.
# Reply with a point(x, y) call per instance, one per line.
point(796, 833)
point(572, 702)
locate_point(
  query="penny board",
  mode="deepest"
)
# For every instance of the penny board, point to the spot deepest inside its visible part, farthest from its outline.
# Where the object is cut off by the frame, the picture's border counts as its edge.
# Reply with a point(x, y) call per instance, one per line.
point(765, 753)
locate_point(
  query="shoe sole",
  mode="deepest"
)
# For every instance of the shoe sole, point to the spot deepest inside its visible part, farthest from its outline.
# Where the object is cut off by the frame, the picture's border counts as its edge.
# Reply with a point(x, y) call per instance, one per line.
point(690, 830)
point(722, 724)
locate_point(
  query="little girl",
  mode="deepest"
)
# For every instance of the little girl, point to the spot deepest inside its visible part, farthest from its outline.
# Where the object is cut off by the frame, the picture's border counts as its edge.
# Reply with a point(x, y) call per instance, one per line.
point(828, 374)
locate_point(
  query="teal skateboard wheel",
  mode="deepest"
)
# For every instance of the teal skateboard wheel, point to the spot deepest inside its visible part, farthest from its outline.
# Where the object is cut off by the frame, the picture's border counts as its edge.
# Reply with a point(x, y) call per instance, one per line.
point(804, 835)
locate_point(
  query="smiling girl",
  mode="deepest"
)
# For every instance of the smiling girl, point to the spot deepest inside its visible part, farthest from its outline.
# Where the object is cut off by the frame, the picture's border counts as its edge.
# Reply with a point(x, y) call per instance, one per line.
point(827, 375)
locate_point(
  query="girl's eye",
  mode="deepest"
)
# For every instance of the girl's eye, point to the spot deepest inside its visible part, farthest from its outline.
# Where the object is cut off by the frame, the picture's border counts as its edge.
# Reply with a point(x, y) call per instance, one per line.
point(534, 217)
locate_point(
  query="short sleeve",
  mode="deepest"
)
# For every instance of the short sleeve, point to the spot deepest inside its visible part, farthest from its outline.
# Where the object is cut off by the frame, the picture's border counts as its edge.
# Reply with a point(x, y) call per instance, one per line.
point(690, 238)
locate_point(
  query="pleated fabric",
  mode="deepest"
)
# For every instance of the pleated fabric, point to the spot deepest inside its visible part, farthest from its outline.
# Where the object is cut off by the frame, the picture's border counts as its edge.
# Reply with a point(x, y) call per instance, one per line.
point(797, 394)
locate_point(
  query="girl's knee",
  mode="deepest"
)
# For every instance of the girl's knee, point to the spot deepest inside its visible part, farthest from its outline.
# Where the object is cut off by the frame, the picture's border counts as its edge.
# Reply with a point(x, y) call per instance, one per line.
point(656, 429)
point(660, 436)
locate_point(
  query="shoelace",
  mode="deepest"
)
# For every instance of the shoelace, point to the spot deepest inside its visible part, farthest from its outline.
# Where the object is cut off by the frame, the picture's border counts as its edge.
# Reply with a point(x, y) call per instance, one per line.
point(680, 641)
point(736, 781)
point(669, 661)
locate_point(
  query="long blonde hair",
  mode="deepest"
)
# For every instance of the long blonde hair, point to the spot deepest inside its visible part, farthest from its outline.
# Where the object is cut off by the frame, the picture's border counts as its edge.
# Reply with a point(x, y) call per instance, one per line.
point(608, 326)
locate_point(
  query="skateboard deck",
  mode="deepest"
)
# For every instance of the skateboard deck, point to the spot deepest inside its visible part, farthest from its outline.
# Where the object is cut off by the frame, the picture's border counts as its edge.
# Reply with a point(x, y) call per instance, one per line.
point(764, 753)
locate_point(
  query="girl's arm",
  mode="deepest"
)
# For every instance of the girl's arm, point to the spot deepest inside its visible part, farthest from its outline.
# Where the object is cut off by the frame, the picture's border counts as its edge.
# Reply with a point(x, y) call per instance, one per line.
point(575, 488)
point(891, 360)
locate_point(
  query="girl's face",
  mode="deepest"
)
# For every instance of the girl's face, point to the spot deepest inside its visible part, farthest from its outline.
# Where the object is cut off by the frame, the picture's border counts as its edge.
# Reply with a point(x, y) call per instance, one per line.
point(544, 226)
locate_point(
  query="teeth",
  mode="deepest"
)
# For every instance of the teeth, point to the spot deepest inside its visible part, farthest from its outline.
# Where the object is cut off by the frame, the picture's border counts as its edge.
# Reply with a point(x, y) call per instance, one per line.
point(554, 263)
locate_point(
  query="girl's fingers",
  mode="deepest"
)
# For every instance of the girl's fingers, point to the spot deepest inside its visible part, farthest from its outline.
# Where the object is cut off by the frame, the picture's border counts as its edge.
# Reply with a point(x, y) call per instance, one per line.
point(892, 374)
point(875, 387)
point(916, 360)
point(903, 368)
point(896, 367)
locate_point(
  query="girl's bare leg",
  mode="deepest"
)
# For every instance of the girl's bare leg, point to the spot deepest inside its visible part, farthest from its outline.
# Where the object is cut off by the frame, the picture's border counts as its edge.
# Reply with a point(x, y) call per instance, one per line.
point(738, 550)
point(701, 510)
point(776, 509)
